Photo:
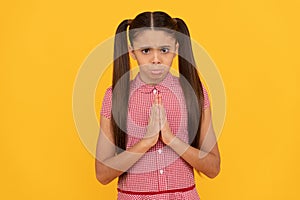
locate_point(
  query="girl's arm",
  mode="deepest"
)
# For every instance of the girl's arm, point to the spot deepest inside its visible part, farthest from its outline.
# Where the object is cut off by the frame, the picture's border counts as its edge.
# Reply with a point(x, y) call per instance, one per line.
point(108, 165)
point(206, 159)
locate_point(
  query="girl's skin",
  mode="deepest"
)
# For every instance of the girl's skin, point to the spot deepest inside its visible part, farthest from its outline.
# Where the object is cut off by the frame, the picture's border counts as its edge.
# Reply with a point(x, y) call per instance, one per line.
point(154, 51)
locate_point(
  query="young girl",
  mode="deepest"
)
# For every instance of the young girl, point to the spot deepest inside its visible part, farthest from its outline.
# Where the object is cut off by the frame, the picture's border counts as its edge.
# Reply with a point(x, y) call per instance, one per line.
point(156, 128)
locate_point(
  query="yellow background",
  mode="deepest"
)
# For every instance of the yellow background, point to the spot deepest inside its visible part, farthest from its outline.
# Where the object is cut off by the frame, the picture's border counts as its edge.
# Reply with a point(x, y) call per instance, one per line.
point(255, 45)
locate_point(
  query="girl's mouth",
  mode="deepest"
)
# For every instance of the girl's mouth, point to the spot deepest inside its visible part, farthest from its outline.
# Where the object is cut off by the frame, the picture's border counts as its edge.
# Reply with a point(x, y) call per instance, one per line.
point(156, 72)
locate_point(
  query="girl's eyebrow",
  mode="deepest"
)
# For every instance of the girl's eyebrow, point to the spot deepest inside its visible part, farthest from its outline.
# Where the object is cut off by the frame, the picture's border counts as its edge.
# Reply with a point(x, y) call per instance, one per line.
point(165, 46)
point(149, 47)
point(143, 47)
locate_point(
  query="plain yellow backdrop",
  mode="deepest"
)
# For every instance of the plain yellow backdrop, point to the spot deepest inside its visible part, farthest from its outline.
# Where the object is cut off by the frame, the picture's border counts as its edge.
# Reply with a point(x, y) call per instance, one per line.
point(255, 45)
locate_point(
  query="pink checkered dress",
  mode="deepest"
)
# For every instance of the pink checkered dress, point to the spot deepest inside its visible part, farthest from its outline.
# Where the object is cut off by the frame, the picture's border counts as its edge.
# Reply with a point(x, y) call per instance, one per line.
point(160, 173)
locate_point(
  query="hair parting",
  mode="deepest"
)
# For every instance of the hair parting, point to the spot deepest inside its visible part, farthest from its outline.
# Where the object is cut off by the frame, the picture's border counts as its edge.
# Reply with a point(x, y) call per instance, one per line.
point(151, 25)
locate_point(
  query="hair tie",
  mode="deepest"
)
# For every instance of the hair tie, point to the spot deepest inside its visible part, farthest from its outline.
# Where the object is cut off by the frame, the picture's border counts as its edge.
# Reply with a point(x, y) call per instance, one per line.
point(129, 21)
point(175, 20)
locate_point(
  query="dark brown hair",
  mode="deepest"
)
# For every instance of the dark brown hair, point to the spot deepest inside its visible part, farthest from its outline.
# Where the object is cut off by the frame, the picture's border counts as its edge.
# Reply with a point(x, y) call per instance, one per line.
point(188, 74)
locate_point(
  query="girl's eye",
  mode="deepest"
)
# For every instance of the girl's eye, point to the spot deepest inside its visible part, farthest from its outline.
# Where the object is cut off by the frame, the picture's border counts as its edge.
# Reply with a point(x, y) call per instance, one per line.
point(145, 51)
point(164, 50)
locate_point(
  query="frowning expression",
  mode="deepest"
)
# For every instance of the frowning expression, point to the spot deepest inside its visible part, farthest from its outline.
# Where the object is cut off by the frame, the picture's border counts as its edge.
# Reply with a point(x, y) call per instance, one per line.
point(154, 51)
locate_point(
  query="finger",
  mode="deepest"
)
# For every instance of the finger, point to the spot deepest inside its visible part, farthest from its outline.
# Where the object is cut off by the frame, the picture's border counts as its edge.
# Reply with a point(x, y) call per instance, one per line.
point(162, 114)
point(159, 99)
point(150, 121)
point(157, 113)
point(154, 116)
point(153, 112)
point(155, 99)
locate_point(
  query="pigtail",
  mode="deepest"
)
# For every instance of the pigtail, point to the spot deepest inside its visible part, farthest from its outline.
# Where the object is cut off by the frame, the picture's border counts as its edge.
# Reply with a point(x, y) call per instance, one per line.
point(121, 78)
point(190, 75)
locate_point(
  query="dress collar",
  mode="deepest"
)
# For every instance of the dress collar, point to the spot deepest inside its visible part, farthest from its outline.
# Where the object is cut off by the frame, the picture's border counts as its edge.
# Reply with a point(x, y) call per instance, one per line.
point(161, 87)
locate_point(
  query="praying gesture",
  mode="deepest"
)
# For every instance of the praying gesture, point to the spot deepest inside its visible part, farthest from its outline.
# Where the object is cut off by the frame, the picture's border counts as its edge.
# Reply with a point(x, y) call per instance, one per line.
point(158, 126)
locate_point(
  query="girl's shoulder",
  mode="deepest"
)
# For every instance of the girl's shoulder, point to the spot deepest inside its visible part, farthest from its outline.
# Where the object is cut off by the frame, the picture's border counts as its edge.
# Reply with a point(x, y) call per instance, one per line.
point(206, 103)
point(108, 90)
point(107, 103)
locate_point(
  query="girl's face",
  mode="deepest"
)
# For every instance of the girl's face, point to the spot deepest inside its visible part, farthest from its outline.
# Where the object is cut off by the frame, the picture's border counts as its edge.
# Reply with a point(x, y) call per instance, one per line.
point(154, 51)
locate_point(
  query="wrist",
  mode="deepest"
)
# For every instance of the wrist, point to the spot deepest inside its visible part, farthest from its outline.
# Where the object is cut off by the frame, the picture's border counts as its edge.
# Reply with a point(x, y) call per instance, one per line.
point(169, 139)
point(178, 146)
point(146, 144)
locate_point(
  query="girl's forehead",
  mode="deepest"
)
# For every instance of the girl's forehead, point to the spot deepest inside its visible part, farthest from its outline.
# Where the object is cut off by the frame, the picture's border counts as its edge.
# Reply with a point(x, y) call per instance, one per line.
point(153, 38)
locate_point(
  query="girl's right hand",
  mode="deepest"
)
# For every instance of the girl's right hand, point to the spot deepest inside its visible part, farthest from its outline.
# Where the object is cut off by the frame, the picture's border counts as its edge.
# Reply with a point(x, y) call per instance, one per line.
point(153, 128)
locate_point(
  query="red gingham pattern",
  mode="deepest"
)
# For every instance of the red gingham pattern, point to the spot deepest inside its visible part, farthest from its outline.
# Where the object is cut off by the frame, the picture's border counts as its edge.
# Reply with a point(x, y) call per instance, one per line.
point(160, 169)
point(188, 195)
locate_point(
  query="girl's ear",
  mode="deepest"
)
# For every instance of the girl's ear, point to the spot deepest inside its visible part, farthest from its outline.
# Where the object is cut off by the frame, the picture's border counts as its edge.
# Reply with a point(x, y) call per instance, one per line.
point(131, 53)
point(176, 48)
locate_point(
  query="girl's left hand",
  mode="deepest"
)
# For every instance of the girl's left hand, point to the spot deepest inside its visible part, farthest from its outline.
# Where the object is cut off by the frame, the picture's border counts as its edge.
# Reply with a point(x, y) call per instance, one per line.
point(166, 134)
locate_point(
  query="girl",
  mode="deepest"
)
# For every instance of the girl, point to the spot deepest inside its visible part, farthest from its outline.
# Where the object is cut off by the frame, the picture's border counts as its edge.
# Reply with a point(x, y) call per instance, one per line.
point(155, 129)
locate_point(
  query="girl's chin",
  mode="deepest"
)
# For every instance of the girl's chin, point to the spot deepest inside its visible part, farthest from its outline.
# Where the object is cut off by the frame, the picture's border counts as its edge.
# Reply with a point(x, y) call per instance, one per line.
point(157, 77)
point(153, 77)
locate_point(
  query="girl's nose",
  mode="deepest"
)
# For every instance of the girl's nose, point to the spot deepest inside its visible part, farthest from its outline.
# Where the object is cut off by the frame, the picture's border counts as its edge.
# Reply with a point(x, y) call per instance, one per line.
point(155, 59)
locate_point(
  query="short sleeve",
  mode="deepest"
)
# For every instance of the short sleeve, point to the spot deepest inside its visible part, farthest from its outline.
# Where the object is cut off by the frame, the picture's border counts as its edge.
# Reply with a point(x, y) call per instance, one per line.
point(206, 102)
point(106, 103)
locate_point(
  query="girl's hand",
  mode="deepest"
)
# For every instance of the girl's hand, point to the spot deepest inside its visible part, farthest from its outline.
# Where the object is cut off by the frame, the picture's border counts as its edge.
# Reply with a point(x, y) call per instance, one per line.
point(166, 134)
point(153, 128)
